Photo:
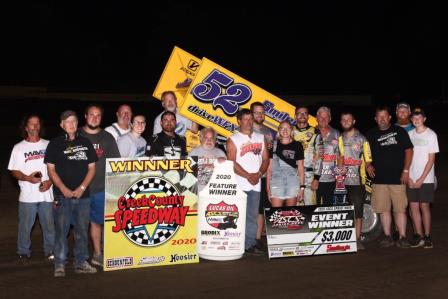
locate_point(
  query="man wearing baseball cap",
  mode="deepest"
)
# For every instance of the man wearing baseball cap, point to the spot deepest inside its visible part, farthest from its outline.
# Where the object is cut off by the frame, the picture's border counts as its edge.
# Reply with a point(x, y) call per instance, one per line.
point(70, 160)
point(403, 113)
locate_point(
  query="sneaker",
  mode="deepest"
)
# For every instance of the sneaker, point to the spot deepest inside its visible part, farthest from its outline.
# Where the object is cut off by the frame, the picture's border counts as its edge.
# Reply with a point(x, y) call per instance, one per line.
point(427, 242)
point(395, 235)
point(50, 257)
point(360, 246)
point(59, 271)
point(85, 267)
point(97, 260)
point(403, 243)
point(387, 242)
point(261, 246)
point(253, 251)
point(417, 241)
point(24, 258)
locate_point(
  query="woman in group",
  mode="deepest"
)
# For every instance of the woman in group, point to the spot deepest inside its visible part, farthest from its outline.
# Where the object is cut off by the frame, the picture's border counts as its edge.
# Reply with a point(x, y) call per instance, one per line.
point(285, 176)
point(132, 144)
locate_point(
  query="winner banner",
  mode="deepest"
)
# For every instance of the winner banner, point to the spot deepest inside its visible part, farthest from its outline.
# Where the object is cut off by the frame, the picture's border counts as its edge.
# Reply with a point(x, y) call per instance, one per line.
point(310, 230)
point(150, 213)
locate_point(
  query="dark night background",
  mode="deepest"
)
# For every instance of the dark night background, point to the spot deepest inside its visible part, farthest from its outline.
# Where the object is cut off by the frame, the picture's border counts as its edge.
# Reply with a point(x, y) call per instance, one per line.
point(389, 51)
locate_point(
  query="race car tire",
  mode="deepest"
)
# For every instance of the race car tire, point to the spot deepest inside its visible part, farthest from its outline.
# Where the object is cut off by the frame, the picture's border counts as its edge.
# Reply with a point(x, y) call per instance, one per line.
point(371, 223)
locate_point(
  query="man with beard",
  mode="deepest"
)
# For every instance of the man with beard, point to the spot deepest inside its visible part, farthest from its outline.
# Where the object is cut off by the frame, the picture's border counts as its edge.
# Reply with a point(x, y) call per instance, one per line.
point(207, 154)
point(403, 113)
point(167, 143)
point(258, 115)
point(306, 135)
point(392, 152)
point(123, 124)
point(105, 147)
point(169, 103)
point(355, 153)
point(328, 153)
point(247, 149)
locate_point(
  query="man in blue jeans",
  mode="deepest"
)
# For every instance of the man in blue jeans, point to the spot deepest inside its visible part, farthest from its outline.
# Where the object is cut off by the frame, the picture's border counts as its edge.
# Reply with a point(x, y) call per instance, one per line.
point(70, 160)
point(36, 193)
point(248, 151)
point(106, 147)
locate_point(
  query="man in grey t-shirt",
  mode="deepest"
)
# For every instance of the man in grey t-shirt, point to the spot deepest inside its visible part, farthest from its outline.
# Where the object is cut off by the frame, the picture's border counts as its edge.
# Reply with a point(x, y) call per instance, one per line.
point(207, 154)
point(258, 114)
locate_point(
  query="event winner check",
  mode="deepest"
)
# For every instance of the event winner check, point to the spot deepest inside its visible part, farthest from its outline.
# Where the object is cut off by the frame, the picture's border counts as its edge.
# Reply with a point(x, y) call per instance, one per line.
point(310, 230)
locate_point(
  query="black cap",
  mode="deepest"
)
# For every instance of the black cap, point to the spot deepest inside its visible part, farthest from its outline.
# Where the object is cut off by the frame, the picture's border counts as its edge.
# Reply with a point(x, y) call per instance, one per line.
point(418, 111)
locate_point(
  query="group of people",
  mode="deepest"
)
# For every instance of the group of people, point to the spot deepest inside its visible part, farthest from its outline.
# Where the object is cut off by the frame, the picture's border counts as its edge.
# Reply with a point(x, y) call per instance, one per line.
point(63, 180)
point(399, 159)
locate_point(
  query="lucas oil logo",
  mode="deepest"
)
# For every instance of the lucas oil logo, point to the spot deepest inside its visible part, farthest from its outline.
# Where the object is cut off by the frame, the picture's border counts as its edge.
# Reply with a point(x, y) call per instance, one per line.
point(287, 219)
point(150, 212)
point(222, 216)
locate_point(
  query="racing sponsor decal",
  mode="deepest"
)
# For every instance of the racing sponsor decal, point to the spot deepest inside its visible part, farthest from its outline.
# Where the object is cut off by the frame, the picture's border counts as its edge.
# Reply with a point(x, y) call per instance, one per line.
point(287, 219)
point(222, 216)
point(182, 257)
point(120, 262)
point(149, 260)
point(338, 248)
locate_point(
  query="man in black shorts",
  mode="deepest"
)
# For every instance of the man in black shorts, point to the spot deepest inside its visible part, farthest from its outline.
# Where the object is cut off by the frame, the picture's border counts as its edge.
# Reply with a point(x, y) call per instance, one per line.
point(354, 150)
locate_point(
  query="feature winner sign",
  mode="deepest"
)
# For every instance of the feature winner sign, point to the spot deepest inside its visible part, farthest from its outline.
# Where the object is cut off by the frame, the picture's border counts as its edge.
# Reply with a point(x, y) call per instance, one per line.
point(222, 216)
point(310, 230)
point(150, 213)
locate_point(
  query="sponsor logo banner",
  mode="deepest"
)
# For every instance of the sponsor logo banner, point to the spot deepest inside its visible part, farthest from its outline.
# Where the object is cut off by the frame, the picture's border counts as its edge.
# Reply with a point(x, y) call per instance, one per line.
point(150, 212)
point(310, 230)
point(178, 74)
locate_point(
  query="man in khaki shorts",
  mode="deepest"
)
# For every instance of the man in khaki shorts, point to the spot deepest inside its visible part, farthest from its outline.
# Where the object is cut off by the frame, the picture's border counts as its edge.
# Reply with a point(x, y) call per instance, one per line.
point(392, 152)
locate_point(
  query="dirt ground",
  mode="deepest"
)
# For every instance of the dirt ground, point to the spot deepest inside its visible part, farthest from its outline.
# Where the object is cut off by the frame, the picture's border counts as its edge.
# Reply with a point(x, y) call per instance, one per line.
point(373, 273)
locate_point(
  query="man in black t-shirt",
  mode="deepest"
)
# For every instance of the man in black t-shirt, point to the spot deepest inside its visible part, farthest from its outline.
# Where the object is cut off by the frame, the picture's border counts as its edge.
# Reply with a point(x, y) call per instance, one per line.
point(105, 147)
point(70, 160)
point(167, 143)
point(392, 152)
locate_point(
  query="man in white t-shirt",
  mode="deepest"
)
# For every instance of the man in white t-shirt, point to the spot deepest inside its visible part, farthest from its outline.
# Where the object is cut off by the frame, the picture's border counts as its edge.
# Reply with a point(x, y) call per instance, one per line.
point(36, 193)
point(169, 103)
point(420, 190)
point(248, 151)
point(123, 124)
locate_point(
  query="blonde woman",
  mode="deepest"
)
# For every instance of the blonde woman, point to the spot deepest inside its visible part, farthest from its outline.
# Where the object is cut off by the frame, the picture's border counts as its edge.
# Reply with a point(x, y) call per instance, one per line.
point(285, 175)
